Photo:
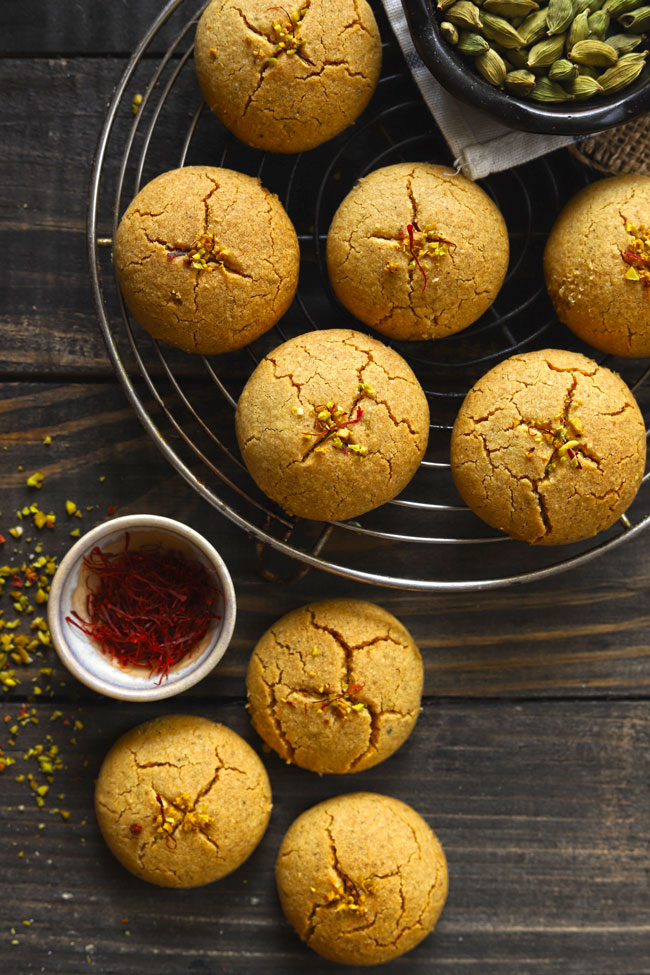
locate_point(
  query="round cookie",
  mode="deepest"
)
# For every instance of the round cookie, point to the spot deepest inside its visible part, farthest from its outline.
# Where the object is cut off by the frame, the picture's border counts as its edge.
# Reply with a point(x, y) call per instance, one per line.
point(362, 878)
point(332, 424)
point(597, 265)
point(206, 258)
point(417, 251)
point(549, 447)
point(182, 801)
point(287, 78)
point(335, 686)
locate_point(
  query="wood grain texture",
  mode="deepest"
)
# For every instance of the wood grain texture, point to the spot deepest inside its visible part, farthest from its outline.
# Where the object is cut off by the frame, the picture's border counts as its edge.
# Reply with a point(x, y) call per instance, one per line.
point(543, 814)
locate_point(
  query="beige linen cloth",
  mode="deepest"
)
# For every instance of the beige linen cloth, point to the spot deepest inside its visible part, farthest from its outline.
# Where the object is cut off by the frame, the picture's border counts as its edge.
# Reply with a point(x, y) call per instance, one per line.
point(480, 144)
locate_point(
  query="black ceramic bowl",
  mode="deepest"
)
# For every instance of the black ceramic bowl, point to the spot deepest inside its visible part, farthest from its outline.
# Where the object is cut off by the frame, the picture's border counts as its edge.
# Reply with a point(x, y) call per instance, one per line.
point(457, 75)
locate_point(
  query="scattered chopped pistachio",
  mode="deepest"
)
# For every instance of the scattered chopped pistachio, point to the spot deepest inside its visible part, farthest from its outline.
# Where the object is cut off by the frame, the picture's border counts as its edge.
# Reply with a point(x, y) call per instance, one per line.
point(36, 480)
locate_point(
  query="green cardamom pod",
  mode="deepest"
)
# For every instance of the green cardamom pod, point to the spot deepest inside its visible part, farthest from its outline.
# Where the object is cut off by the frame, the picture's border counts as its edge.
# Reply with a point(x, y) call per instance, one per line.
point(534, 27)
point(520, 83)
point(445, 4)
point(491, 66)
point(598, 24)
point(500, 30)
point(624, 43)
point(595, 5)
point(617, 7)
point(510, 8)
point(624, 73)
point(562, 70)
point(544, 53)
point(465, 15)
point(449, 32)
point(586, 72)
point(581, 5)
point(579, 29)
point(638, 20)
point(546, 90)
point(518, 57)
point(472, 44)
point(596, 54)
point(583, 87)
point(559, 15)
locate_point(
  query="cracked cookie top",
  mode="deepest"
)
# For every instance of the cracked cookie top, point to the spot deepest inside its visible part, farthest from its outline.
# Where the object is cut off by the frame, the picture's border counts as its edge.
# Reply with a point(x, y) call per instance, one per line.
point(417, 251)
point(549, 447)
point(287, 78)
point(207, 259)
point(335, 686)
point(597, 265)
point(182, 801)
point(332, 424)
point(362, 878)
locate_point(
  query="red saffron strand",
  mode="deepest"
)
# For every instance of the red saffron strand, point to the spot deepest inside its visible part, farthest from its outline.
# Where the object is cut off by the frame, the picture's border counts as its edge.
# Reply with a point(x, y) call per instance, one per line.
point(146, 607)
point(410, 228)
point(287, 15)
point(631, 257)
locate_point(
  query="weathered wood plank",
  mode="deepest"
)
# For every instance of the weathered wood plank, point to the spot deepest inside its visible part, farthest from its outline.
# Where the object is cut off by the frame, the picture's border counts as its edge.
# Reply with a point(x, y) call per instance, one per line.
point(543, 813)
point(81, 27)
point(78, 27)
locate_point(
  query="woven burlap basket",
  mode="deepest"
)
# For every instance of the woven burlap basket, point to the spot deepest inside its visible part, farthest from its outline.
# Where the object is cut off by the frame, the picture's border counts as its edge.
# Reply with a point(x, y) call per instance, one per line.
point(625, 149)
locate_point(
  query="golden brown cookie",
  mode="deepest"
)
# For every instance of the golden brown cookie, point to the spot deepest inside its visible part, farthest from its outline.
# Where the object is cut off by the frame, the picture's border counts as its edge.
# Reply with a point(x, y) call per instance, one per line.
point(597, 265)
point(206, 258)
point(549, 447)
point(287, 78)
point(362, 878)
point(182, 801)
point(417, 251)
point(335, 686)
point(332, 424)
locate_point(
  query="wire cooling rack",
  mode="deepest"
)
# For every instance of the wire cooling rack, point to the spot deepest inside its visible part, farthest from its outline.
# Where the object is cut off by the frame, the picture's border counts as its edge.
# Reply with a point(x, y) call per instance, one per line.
point(426, 539)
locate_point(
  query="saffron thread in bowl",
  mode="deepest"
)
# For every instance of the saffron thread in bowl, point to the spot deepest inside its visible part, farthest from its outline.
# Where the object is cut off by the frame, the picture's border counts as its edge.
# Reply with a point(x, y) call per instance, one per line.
point(146, 607)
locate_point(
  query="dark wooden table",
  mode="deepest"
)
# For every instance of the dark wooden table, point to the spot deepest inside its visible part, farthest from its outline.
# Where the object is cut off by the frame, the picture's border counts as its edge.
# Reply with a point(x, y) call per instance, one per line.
point(530, 758)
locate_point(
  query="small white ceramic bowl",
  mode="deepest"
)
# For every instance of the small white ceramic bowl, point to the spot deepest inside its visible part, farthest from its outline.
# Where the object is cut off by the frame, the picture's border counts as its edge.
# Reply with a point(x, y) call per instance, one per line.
point(97, 670)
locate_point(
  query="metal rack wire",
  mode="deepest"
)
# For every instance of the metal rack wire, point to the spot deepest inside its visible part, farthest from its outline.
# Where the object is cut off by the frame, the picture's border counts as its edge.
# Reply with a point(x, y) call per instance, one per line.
point(426, 538)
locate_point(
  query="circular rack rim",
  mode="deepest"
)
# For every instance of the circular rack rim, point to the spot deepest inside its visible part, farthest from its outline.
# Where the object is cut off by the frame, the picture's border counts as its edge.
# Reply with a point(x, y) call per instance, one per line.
point(310, 559)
